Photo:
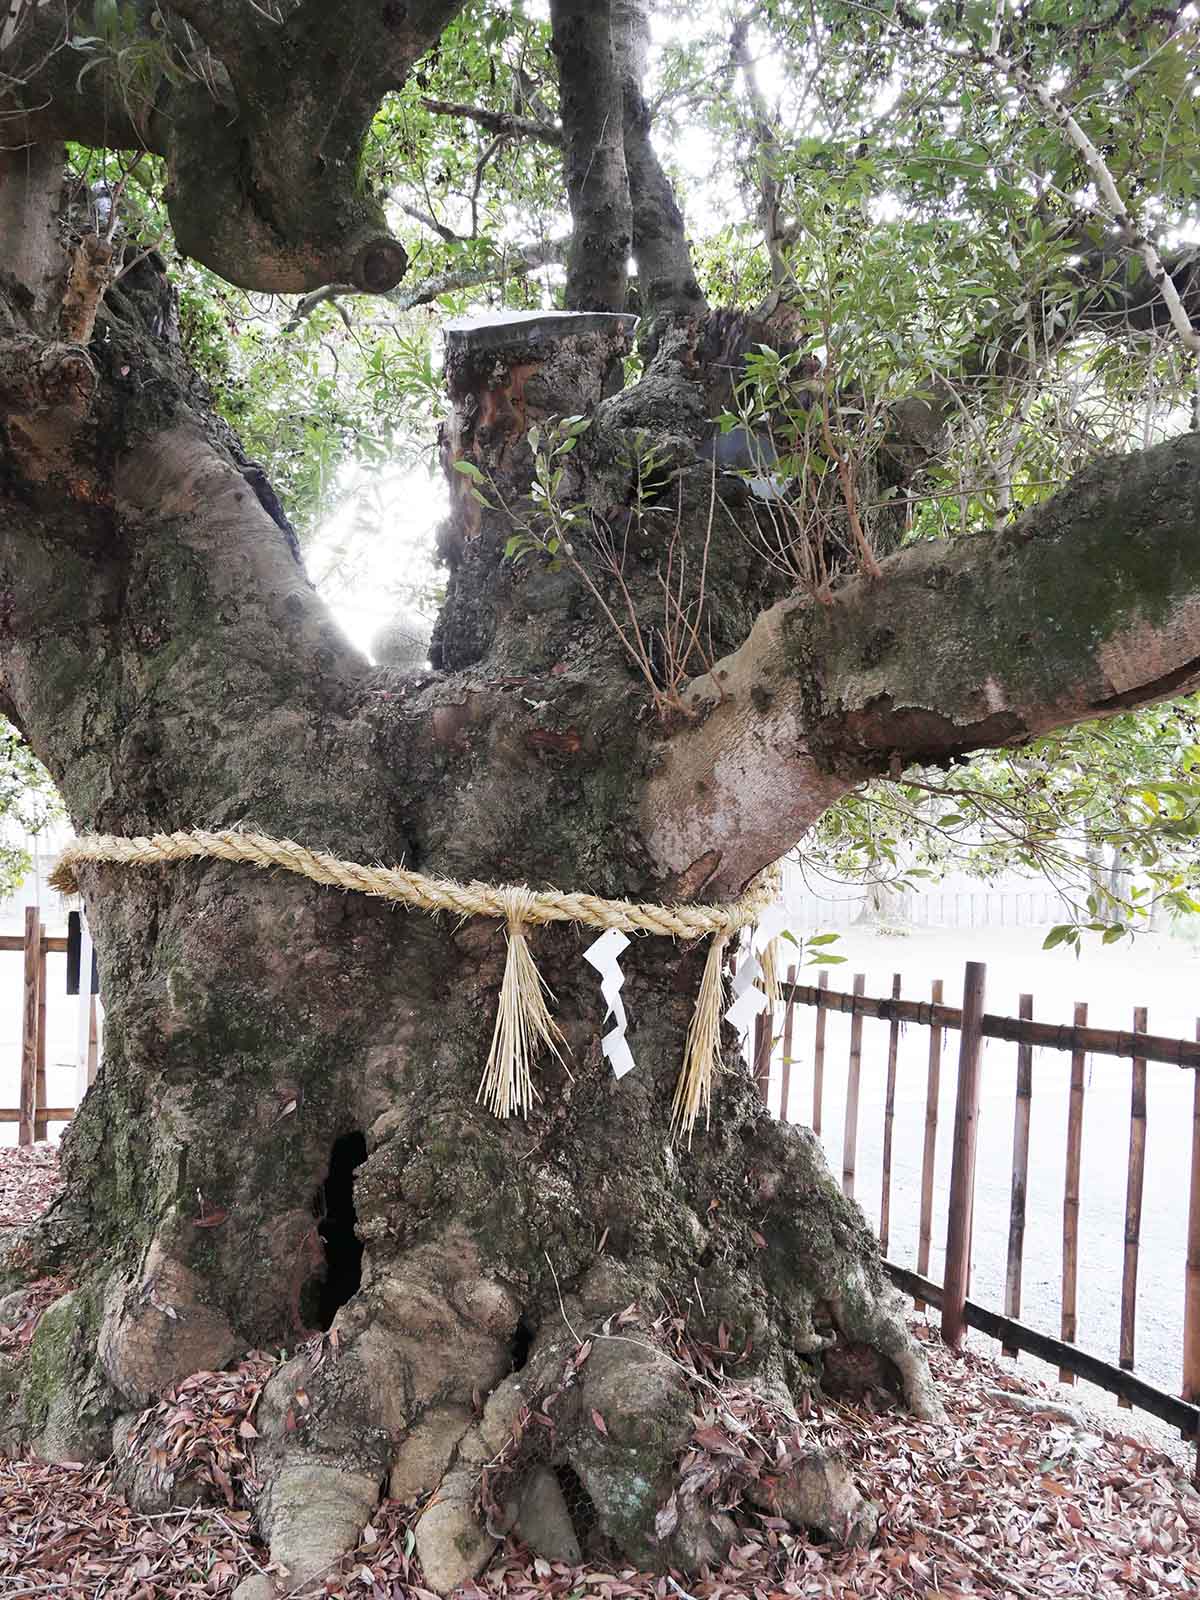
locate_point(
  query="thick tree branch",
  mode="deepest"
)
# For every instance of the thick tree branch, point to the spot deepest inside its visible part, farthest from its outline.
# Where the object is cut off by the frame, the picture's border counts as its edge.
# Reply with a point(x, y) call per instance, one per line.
point(262, 129)
point(593, 130)
point(1086, 606)
point(666, 278)
point(225, 25)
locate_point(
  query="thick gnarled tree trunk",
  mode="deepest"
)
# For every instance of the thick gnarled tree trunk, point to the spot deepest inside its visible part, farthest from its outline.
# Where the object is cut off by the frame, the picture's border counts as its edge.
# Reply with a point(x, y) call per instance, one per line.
point(166, 657)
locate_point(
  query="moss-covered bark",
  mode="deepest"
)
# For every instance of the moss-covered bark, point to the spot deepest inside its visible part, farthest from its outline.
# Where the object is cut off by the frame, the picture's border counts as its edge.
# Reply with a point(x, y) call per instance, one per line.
point(165, 655)
point(261, 120)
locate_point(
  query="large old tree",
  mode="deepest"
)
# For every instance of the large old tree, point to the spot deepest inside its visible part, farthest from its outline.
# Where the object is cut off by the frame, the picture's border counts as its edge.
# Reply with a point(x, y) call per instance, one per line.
point(598, 717)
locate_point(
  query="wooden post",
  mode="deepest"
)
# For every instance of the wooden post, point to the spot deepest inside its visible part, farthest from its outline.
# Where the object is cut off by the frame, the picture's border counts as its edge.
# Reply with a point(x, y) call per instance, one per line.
point(93, 1054)
point(85, 1016)
point(29, 1025)
point(1020, 1176)
point(850, 1138)
point(1191, 1291)
point(933, 1089)
point(889, 1117)
point(1133, 1204)
point(819, 1057)
point(1070, 1256)
point(957, 1278)
point(764, 1023)
point(40, 1096)
point(785, 1086)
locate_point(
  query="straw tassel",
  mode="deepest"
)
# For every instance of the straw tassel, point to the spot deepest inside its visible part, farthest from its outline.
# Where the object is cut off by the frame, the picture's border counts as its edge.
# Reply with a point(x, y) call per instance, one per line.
point(523, 1022)
point(693, 1091)
point(769, 968)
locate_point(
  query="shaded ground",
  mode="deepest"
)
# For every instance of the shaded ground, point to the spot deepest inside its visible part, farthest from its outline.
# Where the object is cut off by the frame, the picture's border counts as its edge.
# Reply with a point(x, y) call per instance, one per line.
point(1003, 1501)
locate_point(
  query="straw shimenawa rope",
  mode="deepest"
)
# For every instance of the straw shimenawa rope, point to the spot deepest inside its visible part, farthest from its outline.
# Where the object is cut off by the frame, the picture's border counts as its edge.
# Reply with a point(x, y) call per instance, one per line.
point(523, 1022)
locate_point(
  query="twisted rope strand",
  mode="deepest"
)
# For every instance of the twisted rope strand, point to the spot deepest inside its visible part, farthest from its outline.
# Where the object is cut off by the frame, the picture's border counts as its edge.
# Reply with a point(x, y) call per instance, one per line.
point(416, 889)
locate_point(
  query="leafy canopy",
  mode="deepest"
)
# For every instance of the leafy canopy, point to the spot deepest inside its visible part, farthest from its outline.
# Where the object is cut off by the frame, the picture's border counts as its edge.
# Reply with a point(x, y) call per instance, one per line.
point(931, 232)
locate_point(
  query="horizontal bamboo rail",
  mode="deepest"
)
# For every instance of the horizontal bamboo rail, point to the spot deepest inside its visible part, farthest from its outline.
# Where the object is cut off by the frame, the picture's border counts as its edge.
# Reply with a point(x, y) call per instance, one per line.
point(958, 1311)
point(52, 943)
point(1146, 1396)
point(1018, 1030)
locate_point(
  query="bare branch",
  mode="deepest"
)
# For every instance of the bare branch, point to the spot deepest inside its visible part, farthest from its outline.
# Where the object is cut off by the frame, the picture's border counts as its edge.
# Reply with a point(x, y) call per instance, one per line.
point(1122, 217)
point(506, 123)
point(428, 220)
point(517, 263)
point(767, 156)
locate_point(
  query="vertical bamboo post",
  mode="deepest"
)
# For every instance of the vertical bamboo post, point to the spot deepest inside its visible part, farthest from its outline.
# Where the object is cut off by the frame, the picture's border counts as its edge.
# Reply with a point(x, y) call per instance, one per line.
point(84, 1020)
point(957, 1278)
point(889, 1117)
point(1133, 1203)
point(1191, 1291)
point(933, 1089)
point(40, 1097)
point(785, 1083)
point(764, 1022)
point(29, 1026)
point(854, 1073)
point(819, 1057)
point(93, 1052)
point(1070, 1255)
point(1020, 1175)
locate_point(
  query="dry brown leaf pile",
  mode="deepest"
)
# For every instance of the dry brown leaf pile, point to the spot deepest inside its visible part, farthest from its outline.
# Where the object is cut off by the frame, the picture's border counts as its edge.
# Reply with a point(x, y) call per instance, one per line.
point(65, 1535)
point(29, 1180)
point(201, 1428)
point(999, 1503)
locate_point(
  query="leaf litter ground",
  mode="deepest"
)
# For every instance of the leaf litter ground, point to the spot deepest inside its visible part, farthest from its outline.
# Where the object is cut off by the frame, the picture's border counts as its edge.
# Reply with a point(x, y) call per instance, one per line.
point(1004, 1501)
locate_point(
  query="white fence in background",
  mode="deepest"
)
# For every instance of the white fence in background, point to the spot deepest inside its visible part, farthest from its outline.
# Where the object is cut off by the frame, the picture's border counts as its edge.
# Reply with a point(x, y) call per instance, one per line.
point(950, 908)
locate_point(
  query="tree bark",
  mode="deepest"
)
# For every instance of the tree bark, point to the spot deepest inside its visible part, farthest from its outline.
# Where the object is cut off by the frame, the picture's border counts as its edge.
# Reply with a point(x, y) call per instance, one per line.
point(667, 283)
point(234, 101)
point(273, 1047)
point(594, 150)
point(286, 1129)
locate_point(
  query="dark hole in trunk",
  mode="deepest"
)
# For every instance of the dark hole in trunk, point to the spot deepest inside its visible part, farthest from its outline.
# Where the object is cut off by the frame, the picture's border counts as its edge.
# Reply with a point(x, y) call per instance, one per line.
point(521, 1344)
point(334, 1208)
point(580, 1505)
